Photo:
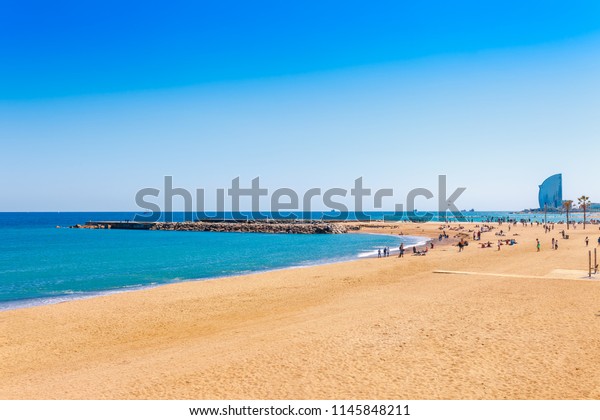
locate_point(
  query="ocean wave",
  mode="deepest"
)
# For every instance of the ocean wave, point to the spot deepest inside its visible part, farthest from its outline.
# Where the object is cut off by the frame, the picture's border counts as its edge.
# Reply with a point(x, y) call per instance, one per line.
point(69, 295)
point(409, 242)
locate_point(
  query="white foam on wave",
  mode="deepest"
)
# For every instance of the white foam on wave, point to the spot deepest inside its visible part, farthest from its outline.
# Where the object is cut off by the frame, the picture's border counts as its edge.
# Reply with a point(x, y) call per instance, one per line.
point(409, 242)
point(67, 296)
point(367, 254)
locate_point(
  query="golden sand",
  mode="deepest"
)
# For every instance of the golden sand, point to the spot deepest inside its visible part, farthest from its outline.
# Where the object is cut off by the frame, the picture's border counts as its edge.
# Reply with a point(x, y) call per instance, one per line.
point(515, 324)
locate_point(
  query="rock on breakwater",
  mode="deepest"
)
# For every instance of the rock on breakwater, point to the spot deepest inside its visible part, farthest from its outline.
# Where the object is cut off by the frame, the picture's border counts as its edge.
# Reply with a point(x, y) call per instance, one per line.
point(250, 226)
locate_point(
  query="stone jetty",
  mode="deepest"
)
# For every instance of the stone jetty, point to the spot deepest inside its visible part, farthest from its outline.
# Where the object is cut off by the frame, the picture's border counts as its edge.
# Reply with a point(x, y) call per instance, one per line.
point(250, 226)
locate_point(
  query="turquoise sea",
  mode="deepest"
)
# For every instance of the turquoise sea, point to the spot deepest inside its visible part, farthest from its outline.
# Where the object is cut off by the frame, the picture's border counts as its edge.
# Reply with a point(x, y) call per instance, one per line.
point(40, 263)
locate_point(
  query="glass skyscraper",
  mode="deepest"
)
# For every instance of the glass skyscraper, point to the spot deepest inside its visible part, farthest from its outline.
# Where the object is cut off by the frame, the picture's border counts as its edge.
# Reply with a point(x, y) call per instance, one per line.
point(551, 192)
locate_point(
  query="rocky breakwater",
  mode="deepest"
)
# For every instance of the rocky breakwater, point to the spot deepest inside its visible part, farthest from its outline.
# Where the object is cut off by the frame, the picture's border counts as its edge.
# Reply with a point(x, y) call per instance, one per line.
point(256, 226)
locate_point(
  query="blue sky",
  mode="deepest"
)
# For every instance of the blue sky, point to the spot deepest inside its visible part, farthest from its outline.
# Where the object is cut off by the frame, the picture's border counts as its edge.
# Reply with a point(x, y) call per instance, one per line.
point(100, 99)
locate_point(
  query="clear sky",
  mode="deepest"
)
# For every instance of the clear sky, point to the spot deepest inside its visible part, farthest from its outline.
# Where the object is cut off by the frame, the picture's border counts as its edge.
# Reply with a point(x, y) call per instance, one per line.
point(100, 99)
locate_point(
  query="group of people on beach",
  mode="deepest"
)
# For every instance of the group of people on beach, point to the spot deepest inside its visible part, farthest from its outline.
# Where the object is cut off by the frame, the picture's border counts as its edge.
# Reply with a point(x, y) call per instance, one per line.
point(554, 245)
point(385, 252)
point(424, 251)
point(476, 235)
point(479, 229)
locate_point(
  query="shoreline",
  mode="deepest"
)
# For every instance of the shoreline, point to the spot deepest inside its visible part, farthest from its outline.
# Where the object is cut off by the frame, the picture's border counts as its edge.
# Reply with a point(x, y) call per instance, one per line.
point(497, 326)
point(58, 299)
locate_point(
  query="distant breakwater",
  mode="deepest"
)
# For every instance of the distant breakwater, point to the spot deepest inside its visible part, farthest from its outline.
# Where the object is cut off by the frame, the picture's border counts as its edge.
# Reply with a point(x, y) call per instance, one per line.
point(250, 226)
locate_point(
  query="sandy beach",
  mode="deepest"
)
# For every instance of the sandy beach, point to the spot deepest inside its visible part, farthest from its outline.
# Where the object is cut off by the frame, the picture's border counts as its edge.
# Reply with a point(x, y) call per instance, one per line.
point(477, 324)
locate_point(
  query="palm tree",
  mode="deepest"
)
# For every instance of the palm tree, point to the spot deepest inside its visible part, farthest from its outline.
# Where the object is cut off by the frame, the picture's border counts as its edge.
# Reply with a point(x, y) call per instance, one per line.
point(584, 203)
point(567, 205)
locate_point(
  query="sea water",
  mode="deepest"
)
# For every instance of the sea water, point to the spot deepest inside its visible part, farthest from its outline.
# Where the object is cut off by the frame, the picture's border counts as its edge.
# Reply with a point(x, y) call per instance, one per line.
point(42, 263)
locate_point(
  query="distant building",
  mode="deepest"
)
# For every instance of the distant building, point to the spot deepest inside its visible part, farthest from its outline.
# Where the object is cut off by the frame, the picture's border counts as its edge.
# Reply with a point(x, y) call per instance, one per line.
point(550, 195)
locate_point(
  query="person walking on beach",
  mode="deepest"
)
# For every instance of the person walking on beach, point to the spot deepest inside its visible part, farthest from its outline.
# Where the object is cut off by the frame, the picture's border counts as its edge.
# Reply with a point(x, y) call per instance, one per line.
point(379, 253)
point(401, 251)
point(556, 245)
point(552, 243)
point(587, 241)
point(538, 245)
